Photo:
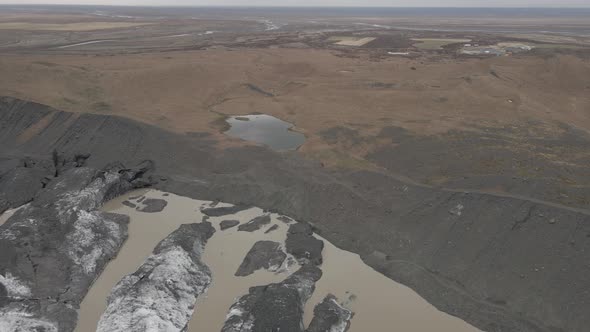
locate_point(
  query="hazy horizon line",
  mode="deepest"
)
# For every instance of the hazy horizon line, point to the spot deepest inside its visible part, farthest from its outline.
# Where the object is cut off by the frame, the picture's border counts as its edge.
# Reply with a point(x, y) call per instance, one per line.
point(306, 6)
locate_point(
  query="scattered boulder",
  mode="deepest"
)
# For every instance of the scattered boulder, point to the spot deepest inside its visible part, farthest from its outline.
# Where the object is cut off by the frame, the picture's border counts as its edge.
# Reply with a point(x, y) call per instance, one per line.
point(263, 255)
point(271, 229)
point(223, 211)
point(255, 224)
point(225, 224)
point(129, 204)
point(274, 307)
point(285, 219)
point(161, 294)
point(330, 316)
point(303, 245)
point(152, 205)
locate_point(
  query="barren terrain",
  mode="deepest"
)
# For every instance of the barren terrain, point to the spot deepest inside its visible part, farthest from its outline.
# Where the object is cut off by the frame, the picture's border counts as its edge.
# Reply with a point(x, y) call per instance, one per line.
point(467, 173)
point(341, 92)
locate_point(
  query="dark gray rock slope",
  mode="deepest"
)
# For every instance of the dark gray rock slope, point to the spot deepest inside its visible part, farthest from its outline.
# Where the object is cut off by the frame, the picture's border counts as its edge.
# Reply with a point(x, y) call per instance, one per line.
point(501, 262)
point(19, 185)
point(274, 307)
point(161, 294)
point(54, 248)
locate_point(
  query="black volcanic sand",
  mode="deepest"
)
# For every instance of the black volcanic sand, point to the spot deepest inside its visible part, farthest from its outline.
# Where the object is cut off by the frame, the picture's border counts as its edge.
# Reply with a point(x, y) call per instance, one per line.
point(501, 263)
point(527, 160)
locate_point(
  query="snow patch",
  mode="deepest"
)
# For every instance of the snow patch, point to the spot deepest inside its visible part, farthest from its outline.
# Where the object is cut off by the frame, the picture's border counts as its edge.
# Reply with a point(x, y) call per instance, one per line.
point(342, 324)
point(89, 198)
point(20, 321)
point(234, 312)
point(238, 323)
point(160, 296)
point(86, 244)
point(15, 287)
point(457, 210)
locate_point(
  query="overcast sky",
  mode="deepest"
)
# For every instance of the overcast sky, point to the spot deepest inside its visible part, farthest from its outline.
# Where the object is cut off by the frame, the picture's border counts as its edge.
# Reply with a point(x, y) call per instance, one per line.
point(363, 3)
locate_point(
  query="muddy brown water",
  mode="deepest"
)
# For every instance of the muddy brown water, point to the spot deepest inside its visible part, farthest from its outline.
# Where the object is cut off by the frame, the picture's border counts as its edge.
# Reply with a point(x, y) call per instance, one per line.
point(7, 214)
point(224, 253)
point(379, 303)
point(4, 217)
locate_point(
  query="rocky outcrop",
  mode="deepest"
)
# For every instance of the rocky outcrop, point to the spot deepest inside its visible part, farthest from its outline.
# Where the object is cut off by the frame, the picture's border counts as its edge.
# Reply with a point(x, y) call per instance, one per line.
point(223, 211)
point(161, 294)
point(129, 204)
point(271, 229)
point(226, 224)
point(330, 316)
point(275, 307)
point(255, 224)
point(54, 248)
point(263, 255)
point(303, 245)
point(19, 185)
point(152, 205)
point(285, 219)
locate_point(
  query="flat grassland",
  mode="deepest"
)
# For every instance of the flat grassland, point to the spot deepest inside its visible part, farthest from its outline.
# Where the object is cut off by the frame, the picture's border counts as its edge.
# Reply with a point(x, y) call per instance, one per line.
point(316, 90)
point(352, 41)
point(437, 43)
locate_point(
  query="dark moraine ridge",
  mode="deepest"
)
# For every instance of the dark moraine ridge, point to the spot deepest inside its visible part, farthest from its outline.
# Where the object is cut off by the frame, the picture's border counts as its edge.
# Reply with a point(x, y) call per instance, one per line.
point(500, 263)
point(52, 250)
point(161, 294)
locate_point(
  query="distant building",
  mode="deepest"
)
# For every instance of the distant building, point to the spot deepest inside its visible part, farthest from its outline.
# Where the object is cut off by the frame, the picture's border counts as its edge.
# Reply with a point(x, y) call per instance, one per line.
point(483, 51)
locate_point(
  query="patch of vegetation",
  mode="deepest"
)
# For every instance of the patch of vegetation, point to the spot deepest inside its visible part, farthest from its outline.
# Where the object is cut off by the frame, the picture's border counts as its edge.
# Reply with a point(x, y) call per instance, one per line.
point(101, 107)
point(559, 46)
point(46, 64)
point(220, 123)
point(437, 180)
point(436, 43)
point(381, 85)
point(336, 159)
point(69, 101)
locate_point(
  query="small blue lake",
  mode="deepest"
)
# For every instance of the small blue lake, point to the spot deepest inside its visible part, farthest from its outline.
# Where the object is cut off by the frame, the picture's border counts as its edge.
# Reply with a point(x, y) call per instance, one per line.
point(265, 129)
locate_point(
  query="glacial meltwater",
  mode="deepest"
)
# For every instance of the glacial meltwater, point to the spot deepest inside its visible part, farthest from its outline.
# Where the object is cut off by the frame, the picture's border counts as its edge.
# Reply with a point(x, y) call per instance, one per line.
point(265, 129)
point(378, 303)
point(7, 214)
